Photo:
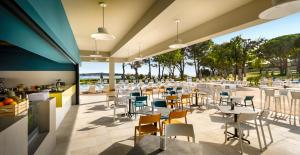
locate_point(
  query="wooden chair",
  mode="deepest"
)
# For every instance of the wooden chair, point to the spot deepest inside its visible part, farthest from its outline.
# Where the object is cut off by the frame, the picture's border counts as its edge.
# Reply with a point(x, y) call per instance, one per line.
point(180, 130)
point(148, 92)
point(172, 101)
point(161, 90)
point(174, 116)
point(147, 126)
point(185, 99)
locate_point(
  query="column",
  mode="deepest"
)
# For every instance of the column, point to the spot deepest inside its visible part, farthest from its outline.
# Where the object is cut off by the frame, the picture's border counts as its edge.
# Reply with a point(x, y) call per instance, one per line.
point(111, 74)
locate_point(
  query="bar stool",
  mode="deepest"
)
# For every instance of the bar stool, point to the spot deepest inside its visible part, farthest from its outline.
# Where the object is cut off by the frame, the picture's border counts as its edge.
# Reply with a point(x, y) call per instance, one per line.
point(270, 93)
point(284, 96)
point(295, 97)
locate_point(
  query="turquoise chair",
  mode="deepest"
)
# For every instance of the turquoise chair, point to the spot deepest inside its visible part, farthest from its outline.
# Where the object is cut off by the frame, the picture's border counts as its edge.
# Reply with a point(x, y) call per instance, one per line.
point(247, 100)
point(224, 97)
point(135, 94)
point(178, 89)
point(140, 102)
point(159, 103)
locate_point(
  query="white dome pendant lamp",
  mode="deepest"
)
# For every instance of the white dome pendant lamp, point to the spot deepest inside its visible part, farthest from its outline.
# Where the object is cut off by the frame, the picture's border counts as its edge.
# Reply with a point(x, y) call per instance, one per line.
point(102, 33)
point(178, 42)
point(280, 8)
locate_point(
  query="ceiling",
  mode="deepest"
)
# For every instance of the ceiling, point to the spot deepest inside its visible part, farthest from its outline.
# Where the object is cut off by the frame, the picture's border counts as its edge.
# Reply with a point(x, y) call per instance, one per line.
point(150, 24)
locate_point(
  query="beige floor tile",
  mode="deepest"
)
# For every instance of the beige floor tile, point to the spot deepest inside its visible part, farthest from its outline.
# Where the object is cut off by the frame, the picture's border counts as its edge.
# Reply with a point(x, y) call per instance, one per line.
point(88, 129)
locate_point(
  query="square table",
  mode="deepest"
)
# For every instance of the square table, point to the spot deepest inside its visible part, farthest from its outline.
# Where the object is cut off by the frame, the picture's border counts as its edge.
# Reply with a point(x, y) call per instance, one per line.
point(237, 110)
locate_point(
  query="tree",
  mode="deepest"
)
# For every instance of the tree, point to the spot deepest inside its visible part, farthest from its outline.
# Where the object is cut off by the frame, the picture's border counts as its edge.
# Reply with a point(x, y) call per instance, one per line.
point(148, 62)
point(248, 47)
point(278, 50)
point(220, 58)
point(179, 58)
point(297, 46)
point(197, 53)
point(136, 65)
point(160, 60)
point(170, 62)
point(123, 69)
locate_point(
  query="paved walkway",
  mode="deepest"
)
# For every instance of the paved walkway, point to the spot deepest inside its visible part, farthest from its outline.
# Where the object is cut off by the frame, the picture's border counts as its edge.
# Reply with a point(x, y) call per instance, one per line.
point(88, 129)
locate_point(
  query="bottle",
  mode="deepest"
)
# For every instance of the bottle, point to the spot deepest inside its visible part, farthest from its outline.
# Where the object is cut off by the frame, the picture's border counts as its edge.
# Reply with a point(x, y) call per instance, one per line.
point(163, 142)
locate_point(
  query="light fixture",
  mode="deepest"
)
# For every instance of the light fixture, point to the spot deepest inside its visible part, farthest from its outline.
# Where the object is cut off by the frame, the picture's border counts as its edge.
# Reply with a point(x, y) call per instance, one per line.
point(102, 33)
point(93, 60)
point(140, 56)
point(178, 42)
point(96, 53)
point(97, 56)
point(280, 8)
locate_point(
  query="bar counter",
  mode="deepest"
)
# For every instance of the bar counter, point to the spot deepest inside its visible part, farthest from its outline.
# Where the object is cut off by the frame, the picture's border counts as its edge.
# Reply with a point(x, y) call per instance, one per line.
point(64, 100)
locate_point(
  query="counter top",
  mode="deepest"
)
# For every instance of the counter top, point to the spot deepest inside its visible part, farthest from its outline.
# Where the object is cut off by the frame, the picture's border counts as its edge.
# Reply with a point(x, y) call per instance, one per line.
point(64, 88)
point(6, 122)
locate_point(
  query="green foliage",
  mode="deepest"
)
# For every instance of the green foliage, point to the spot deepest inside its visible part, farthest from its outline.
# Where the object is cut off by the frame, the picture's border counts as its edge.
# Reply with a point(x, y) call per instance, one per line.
point(254, 80)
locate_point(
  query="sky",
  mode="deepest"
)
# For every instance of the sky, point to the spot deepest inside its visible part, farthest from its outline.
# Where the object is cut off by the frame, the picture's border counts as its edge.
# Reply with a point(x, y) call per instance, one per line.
point(272, 29)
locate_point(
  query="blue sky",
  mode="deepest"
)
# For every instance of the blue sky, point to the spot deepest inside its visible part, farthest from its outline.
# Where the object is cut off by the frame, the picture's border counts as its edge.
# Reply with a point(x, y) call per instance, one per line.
point(283, 26)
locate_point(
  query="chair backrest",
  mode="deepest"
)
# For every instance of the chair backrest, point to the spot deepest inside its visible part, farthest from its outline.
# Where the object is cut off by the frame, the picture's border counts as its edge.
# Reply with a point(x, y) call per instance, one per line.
point(264, 114)
point(160, 103)
point(141, 98)
point(149, 89)
point(224, 93)
point(169, 88)
point(171, 98)
point(161, 87)
point(172, 92)
point(295, 94)
point(177, 114)
point(92, 89)
point(283, 92)
point(180, 130)
point(248, 98)
point(185, 96)
point(178, 88)
point(149, 119)
point(269, 92)
point(247, 117)
point(135, 94)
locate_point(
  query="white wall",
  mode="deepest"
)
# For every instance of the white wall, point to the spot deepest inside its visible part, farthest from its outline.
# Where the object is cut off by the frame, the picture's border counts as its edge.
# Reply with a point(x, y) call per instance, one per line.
point(29, 78)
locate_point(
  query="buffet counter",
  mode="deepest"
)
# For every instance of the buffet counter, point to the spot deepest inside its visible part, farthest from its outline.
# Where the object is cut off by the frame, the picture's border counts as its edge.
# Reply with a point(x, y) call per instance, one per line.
point(64, 100)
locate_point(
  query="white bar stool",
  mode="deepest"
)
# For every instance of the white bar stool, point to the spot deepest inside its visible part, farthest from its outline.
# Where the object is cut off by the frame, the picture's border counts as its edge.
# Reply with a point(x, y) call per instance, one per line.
point(295, 96)
point(284, 97)
point(270, 93)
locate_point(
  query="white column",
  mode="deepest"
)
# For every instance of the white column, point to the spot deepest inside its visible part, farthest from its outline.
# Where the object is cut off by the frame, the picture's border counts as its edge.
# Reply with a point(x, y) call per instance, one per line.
point(111, 74)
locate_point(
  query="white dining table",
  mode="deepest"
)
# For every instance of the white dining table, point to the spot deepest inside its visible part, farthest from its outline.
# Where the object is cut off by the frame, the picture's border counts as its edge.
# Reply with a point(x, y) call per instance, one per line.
point(237, 111)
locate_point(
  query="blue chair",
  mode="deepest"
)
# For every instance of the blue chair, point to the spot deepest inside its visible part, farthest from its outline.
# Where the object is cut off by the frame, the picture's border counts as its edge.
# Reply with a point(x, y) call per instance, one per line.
point(179, 89)
point(169, 89)
point(159, 103)
point(172, 92)
point(224, 97)
point(247, 100)
point(135, 94)
point(140, 102)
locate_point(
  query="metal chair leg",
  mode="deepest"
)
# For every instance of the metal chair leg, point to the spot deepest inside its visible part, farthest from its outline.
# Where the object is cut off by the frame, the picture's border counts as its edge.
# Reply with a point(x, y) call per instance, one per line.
point(263, 133)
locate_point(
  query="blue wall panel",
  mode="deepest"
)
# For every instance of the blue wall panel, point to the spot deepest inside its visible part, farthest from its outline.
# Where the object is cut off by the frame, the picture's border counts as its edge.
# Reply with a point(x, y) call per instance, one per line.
point(50, 16)
point(16, 59)
point(15, 32)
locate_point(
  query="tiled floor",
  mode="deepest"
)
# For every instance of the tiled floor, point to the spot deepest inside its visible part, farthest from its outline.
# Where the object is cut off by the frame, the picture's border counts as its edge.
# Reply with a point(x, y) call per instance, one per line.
point(88, 129)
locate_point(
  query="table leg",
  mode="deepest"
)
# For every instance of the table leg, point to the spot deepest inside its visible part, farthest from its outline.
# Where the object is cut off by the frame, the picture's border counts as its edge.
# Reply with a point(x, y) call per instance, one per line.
point(235, 135)
point(130, 106)
point(196, 99)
